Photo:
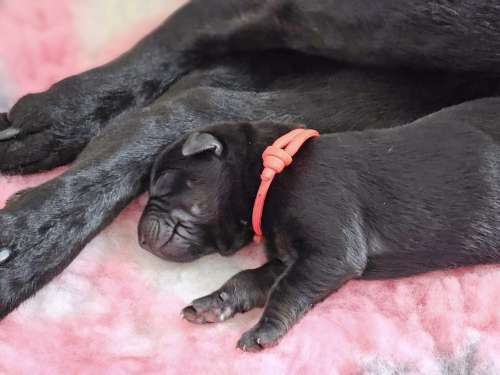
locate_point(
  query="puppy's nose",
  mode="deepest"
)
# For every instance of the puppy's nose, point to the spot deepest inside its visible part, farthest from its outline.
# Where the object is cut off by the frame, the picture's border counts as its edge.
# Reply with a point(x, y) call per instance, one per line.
point(149, 230)
point(153, 234)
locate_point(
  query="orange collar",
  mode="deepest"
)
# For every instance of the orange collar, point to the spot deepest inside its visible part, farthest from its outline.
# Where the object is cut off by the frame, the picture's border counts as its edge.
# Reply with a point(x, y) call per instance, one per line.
point(276, 158)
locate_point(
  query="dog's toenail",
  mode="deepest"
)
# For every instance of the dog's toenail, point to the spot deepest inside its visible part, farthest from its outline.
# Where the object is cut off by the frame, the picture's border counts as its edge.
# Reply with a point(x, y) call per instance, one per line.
point(258, 340)
point(224, 296)
point(9, 133)
point(4, 255)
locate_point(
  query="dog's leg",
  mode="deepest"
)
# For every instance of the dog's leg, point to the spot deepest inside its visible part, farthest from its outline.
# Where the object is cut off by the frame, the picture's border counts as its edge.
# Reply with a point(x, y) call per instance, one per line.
point(312, 278)
point(44, 228)
point(294, 295)
point(51, 128)
point(244, 291)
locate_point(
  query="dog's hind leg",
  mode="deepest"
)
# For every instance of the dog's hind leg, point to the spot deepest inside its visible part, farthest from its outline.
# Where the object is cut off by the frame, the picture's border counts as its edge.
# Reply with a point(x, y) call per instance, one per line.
point(48, 129)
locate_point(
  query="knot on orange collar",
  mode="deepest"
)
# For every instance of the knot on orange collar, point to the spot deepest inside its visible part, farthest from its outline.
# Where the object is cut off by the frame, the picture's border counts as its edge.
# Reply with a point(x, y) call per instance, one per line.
point(276, 158)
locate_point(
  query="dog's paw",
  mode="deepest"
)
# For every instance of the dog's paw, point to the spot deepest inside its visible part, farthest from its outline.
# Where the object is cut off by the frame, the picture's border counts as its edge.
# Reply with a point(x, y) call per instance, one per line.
point(262, 336)
point(40, 132)
point(41, 233)
point(14, 265)
point(25, 148)
point(216, 307)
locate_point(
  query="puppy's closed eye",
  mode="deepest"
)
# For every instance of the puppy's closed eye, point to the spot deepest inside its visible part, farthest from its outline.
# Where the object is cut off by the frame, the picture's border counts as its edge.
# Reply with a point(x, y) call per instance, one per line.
point(165, 183)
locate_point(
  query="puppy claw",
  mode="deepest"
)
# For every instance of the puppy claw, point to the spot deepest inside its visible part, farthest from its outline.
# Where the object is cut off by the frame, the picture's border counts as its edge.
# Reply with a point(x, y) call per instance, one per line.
point(4, 255)
point(9, 133)
point(250, 348)
point(260, 337)
point(214, 308)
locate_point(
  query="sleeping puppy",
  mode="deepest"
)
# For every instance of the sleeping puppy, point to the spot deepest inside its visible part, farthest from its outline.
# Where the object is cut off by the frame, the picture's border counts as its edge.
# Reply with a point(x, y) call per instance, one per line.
point(374, 204)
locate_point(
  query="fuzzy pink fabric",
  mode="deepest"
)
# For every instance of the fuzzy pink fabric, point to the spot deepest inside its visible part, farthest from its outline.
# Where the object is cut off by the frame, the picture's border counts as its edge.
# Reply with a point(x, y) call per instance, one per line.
point(115, 310)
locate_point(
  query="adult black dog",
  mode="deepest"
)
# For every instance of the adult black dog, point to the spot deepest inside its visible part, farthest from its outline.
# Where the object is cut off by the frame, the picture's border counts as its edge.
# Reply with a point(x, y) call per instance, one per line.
point(116, 118)
point(373, 204)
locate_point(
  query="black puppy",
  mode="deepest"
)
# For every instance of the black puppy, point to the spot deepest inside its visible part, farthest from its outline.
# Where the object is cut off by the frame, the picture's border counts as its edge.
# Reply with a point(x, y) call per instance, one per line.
point(373, 204)
point(117, 117)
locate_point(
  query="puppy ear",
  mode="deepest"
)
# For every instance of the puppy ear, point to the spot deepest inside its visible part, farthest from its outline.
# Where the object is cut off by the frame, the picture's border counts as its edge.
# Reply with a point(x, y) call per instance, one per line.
point(197, 143)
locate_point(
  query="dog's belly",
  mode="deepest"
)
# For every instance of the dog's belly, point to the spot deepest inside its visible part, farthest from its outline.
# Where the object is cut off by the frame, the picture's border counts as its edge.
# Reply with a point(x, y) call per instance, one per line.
point(393, 263)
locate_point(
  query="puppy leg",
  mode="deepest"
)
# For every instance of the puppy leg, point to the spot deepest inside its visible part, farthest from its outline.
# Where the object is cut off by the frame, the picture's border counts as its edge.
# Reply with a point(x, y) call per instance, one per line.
point(309, 281)
point(243, 292)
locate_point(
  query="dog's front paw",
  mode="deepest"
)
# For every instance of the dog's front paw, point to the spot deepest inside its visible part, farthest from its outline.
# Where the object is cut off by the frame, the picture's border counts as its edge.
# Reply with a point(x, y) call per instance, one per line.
point(216, 307)
point(28, 137)
point(43, 131)
point(40, 234)
point(263, 335)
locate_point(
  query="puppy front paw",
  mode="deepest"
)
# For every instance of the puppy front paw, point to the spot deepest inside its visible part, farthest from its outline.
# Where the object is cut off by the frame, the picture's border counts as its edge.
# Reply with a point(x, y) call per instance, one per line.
point(216, 307)
point(264, 335)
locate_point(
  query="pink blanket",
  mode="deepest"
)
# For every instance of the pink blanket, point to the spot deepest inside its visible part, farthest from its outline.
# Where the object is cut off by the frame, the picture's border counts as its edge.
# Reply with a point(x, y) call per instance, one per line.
point(115, 310)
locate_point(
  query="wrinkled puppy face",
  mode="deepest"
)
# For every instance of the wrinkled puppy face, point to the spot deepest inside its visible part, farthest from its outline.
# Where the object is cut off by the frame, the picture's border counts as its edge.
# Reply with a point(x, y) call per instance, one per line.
point(191, 211)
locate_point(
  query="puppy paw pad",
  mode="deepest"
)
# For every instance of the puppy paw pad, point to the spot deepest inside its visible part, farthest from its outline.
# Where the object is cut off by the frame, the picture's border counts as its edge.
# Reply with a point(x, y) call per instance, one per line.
point(210, 309)
point(259, 338)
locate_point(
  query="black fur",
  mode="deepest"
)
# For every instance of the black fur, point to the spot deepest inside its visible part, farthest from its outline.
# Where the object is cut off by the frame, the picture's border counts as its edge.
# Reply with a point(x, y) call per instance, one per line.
point(372, 204)
point(207, 64)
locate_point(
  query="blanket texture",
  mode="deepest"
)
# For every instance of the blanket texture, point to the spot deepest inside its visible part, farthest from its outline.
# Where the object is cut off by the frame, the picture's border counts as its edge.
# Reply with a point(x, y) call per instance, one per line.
point(115, 310)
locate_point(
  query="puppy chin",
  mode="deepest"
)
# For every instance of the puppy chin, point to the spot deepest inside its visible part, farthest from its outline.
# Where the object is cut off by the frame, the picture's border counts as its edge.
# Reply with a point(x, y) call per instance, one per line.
point(177, 254)
point(236, 244)
point(180, 251)
point(179, 258)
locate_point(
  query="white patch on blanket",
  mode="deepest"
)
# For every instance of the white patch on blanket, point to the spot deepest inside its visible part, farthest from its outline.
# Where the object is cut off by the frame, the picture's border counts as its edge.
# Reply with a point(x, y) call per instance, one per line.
point(116, 17)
